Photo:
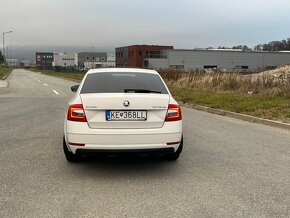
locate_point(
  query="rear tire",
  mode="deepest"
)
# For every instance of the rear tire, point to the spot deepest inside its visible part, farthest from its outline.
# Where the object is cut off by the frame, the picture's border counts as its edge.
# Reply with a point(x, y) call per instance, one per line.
point(175, 155)
point(70, 157)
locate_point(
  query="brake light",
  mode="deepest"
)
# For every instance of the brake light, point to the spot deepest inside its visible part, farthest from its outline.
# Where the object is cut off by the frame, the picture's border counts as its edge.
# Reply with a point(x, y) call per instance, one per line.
point(76, 113)
point(173, 113)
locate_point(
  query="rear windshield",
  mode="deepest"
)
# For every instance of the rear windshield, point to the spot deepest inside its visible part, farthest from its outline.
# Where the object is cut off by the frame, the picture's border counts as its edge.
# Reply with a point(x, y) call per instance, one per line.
point(114, 82)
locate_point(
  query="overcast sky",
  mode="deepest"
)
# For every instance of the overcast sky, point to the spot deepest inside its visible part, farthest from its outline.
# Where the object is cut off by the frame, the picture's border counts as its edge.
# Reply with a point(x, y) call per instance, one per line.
point(113, 23)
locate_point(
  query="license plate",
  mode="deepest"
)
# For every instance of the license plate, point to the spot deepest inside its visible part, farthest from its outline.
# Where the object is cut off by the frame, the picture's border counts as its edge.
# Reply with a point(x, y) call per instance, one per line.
point(126, 115)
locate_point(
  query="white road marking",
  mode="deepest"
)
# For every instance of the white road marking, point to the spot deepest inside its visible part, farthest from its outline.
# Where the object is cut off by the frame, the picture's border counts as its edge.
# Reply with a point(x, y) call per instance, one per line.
point(27, 74)
point(55, 92)
point(39, 81)
point(45, 84)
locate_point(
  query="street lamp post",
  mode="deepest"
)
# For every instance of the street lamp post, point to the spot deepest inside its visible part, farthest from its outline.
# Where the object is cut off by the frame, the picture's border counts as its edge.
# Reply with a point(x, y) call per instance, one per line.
point(4, 43)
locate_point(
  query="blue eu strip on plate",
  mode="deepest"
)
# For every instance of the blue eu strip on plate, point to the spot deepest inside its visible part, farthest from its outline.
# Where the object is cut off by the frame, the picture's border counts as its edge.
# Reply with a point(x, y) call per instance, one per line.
point(108, 115)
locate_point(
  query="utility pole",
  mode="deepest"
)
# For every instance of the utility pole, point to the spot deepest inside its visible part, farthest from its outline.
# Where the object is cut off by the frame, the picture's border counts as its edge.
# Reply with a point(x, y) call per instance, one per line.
point(4, 44)
point(93, 64)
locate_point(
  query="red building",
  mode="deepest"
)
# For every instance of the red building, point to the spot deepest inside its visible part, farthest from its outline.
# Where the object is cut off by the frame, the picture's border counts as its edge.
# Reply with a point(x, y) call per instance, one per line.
point(133, 56)
point(44, 60)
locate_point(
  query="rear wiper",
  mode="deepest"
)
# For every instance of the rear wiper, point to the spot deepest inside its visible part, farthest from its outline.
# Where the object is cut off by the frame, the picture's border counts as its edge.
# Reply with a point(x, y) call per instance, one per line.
point(140, 91)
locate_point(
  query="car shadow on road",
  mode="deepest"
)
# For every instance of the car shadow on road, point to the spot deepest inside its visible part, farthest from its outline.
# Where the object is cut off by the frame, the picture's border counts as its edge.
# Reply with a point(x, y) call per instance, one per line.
point(125, 167)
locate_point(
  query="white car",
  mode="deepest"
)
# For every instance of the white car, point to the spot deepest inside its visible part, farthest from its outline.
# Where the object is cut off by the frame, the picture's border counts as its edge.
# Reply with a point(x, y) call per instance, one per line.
point(117, 110)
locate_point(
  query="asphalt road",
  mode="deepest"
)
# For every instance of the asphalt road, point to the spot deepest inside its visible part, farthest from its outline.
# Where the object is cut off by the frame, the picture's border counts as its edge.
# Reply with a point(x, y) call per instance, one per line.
point(229, 168)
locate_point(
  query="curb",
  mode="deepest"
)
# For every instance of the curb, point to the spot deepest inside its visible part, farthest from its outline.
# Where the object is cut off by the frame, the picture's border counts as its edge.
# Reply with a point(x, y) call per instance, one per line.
point(6, 75)
point(239, 116)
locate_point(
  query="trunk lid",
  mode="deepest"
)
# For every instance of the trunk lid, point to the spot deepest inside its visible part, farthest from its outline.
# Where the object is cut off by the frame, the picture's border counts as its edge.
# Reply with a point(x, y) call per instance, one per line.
point(96, 106)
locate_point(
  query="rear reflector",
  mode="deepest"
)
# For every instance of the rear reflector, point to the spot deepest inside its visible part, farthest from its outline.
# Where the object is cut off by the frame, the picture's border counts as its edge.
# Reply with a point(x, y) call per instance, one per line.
point(173, 113)
point(76, 113)
point(76, 144)
point(173, 143)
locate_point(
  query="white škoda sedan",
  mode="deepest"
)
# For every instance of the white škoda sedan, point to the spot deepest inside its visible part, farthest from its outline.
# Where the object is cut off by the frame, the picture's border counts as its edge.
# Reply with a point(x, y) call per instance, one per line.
point(120, 110)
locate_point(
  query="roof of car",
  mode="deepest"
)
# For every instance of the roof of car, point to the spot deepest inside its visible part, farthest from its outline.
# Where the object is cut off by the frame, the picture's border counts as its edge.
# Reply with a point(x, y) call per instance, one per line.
point(121, 70)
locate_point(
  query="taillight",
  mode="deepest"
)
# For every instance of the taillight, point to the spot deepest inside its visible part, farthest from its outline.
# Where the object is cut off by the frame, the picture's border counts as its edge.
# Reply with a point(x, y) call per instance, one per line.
point(173, 113)
point(76, 113)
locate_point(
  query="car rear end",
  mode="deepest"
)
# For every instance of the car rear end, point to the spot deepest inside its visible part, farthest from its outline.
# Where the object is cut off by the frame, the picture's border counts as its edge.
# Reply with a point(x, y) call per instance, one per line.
point(123, 110)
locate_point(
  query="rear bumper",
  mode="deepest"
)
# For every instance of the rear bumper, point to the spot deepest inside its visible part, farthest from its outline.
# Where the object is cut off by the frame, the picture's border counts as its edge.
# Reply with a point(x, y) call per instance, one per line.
point(165, 139)
point(123, 142)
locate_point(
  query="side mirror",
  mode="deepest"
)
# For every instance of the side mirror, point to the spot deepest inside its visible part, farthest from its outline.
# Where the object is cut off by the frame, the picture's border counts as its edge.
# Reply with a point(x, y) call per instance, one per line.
point(74, 88)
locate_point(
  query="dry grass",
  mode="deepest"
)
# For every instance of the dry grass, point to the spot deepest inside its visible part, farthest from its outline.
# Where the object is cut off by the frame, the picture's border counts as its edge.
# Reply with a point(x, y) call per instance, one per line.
point(262, 95)
point(224, 82)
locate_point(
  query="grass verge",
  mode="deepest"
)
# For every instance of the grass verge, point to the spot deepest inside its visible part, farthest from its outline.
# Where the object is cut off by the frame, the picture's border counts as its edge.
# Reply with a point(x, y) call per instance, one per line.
point(71, 75)
point(4, 72)
point(263, 105)
point(268, 107)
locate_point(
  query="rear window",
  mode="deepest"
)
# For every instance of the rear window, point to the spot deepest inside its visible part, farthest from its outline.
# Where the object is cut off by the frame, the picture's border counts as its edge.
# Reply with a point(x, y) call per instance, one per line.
point(114, 82)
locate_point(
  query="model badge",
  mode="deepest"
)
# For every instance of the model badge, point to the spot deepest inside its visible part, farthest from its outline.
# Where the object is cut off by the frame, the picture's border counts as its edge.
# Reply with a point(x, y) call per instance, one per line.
point(126, 103)
point(91, 107)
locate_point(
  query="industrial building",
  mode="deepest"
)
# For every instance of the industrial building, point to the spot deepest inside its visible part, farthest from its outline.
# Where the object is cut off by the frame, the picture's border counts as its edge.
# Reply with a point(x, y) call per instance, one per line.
point(89, 60)
point(226, 59)
point(11, 63)
point(66, 60)
point(133, 56)
point(44, 60)
point(111, 61)
point(25, 63)
point(73, 60)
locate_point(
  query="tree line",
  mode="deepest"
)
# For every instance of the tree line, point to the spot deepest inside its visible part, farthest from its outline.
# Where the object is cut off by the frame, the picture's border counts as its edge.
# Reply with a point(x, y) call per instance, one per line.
point(283, 45)
point(2, 58)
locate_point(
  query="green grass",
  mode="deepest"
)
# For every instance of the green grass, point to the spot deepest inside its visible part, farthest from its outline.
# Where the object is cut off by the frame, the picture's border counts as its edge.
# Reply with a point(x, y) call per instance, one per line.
point(260, 105)
point(72, 75)
point(269, 107)
point(4, 71)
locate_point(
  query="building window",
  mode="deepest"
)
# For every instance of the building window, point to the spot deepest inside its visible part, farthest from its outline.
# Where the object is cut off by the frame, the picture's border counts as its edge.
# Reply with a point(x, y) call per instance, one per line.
point(210, 66)
point(88, 58)
point(242, 67)
point(140, 53)
point(176, 66)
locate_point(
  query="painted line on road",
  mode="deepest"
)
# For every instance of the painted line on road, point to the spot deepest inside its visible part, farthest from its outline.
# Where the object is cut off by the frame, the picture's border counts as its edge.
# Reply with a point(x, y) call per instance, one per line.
point(39, 81)
point(29, 75)
point(55, 92)
point(45, 84)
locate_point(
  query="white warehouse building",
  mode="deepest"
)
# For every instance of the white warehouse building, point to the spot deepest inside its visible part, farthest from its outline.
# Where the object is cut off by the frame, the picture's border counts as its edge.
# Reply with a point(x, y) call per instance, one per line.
point(64, 60)
point(227, 59)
